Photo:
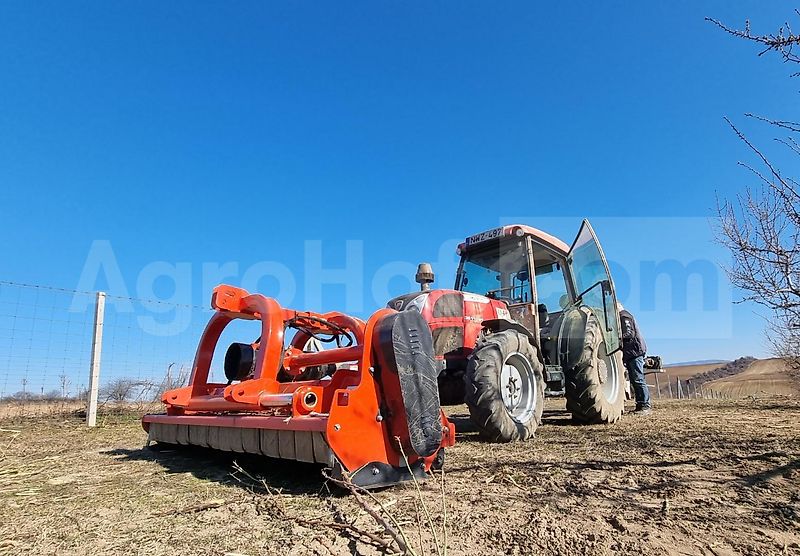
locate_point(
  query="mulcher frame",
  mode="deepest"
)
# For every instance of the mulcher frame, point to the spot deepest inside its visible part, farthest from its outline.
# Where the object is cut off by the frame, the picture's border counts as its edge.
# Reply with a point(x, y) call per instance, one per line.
point(343, 412)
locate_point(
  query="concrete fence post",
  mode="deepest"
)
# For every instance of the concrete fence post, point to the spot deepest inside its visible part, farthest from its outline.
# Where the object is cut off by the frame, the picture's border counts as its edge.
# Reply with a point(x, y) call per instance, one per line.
point(97, 349)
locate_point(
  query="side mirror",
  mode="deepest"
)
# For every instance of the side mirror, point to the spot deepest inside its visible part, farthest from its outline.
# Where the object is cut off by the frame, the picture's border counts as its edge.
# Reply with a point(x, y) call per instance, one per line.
point(424, 276)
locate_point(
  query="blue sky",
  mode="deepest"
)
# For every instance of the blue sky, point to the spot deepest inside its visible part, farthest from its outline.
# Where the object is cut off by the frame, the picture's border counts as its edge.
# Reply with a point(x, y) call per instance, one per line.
point(192, 132)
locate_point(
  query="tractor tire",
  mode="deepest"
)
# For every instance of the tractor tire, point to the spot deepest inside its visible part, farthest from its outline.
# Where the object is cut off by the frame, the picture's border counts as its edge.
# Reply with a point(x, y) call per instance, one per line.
point(595, 386)
point(504, 387)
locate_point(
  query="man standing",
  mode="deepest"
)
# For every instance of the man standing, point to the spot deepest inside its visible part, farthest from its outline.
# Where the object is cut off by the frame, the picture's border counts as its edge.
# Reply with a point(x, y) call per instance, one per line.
point(633, 352)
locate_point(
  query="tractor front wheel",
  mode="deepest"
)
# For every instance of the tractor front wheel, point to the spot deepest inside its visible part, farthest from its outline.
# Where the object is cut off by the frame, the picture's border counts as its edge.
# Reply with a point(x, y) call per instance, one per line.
point(504, 387)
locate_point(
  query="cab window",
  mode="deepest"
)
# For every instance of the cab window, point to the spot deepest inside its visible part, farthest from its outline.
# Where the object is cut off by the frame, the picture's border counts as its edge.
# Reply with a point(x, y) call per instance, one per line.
point(500, 272)
point(550, 286)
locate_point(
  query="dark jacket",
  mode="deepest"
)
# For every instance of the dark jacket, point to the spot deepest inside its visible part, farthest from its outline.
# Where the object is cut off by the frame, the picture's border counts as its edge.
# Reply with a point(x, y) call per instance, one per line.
point(633, 345)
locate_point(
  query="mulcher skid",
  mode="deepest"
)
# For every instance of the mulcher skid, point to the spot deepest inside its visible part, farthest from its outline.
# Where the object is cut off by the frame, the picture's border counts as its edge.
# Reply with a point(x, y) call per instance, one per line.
point(365, 409)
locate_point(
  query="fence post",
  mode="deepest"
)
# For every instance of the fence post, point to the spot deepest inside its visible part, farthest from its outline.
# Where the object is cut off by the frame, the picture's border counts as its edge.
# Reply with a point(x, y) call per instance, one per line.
point(658, 386)
point(669, 386)
point(97, 348)
point(678, 388)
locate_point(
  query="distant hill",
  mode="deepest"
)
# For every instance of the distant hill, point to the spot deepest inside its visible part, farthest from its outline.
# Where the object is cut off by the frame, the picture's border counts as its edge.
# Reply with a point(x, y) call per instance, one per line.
point(726, 370)
point(764, 378)
point(740, 378)
point(700, 362)
point(687, 370)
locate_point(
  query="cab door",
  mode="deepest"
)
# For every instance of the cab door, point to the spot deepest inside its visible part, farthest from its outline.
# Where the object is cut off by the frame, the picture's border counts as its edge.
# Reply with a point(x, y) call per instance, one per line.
point(592, 284)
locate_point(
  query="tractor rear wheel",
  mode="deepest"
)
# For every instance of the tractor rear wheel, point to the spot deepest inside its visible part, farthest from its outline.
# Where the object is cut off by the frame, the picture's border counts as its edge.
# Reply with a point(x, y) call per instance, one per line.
point(595, 387)
point(504, 387)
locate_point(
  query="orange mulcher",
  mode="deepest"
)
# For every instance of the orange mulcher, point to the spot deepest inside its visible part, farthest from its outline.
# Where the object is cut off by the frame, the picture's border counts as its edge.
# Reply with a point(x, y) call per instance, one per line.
point(355, 408)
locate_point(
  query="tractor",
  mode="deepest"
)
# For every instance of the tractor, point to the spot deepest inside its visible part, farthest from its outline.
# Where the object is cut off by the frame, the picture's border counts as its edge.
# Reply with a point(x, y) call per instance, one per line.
point(528, 317)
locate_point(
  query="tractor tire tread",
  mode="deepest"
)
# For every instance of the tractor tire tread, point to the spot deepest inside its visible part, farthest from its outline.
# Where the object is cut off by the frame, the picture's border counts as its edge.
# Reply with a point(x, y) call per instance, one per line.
point(482, 394)
point(585, 398)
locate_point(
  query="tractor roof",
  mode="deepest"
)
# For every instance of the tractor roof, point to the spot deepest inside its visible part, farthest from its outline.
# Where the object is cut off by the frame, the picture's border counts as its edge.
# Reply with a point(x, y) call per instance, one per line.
point(518, 230)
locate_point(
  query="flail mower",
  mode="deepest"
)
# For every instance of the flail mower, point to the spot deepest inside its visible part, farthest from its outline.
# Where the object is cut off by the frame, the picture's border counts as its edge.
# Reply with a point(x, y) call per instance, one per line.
point(528, 317)
point(364, 408)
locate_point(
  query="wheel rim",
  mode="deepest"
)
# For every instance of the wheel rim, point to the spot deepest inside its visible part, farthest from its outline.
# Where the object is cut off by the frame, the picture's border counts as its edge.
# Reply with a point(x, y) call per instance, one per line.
point(608, 371)
point(518, 387)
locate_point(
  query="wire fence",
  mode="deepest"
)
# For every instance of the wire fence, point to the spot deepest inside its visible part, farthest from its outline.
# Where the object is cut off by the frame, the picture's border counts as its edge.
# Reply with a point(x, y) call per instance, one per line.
point(46, 340)
point(148, 346)
point(663, 386)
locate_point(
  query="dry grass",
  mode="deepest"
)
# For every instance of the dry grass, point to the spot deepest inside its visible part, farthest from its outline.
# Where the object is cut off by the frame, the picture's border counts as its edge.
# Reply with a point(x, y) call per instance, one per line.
point(697, 477)
point(12, 409)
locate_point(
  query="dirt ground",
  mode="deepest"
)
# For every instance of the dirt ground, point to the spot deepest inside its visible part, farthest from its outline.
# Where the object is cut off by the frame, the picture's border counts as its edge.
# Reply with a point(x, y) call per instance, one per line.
point(710, 477)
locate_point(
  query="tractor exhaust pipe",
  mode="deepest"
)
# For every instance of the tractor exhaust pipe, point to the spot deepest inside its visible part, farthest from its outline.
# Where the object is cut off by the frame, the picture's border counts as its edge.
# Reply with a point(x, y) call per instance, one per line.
point(424, 276)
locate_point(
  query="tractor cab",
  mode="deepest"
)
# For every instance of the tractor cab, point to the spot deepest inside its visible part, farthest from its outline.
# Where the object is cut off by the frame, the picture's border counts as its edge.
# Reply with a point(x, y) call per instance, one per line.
point(501, 263)
point(539, 277)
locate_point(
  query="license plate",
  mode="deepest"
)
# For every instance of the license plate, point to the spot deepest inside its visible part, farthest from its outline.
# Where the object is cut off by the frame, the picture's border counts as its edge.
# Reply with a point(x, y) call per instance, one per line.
point(484, 236)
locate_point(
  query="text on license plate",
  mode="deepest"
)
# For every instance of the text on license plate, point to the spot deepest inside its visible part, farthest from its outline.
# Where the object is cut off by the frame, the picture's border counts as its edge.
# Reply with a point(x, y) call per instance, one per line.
point(483, 236)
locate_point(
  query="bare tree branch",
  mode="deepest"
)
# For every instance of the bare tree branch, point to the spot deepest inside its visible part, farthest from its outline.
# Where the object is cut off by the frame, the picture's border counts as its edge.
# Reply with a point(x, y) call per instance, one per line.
point(783, 41)
point(791, 126)
point(761, 226)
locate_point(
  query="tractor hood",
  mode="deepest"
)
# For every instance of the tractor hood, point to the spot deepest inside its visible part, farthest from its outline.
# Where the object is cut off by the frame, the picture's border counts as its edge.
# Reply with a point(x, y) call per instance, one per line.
point(417, 300)
point(455, 317)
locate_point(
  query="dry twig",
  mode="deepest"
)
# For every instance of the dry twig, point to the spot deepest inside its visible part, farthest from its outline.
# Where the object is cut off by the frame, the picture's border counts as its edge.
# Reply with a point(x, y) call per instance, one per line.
point(211, 504)
point(394, 530)
point(419, 494)
point(314, 524)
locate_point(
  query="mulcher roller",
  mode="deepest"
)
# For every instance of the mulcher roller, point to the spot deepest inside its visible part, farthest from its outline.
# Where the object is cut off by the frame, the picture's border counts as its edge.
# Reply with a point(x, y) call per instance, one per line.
point(367, 408)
